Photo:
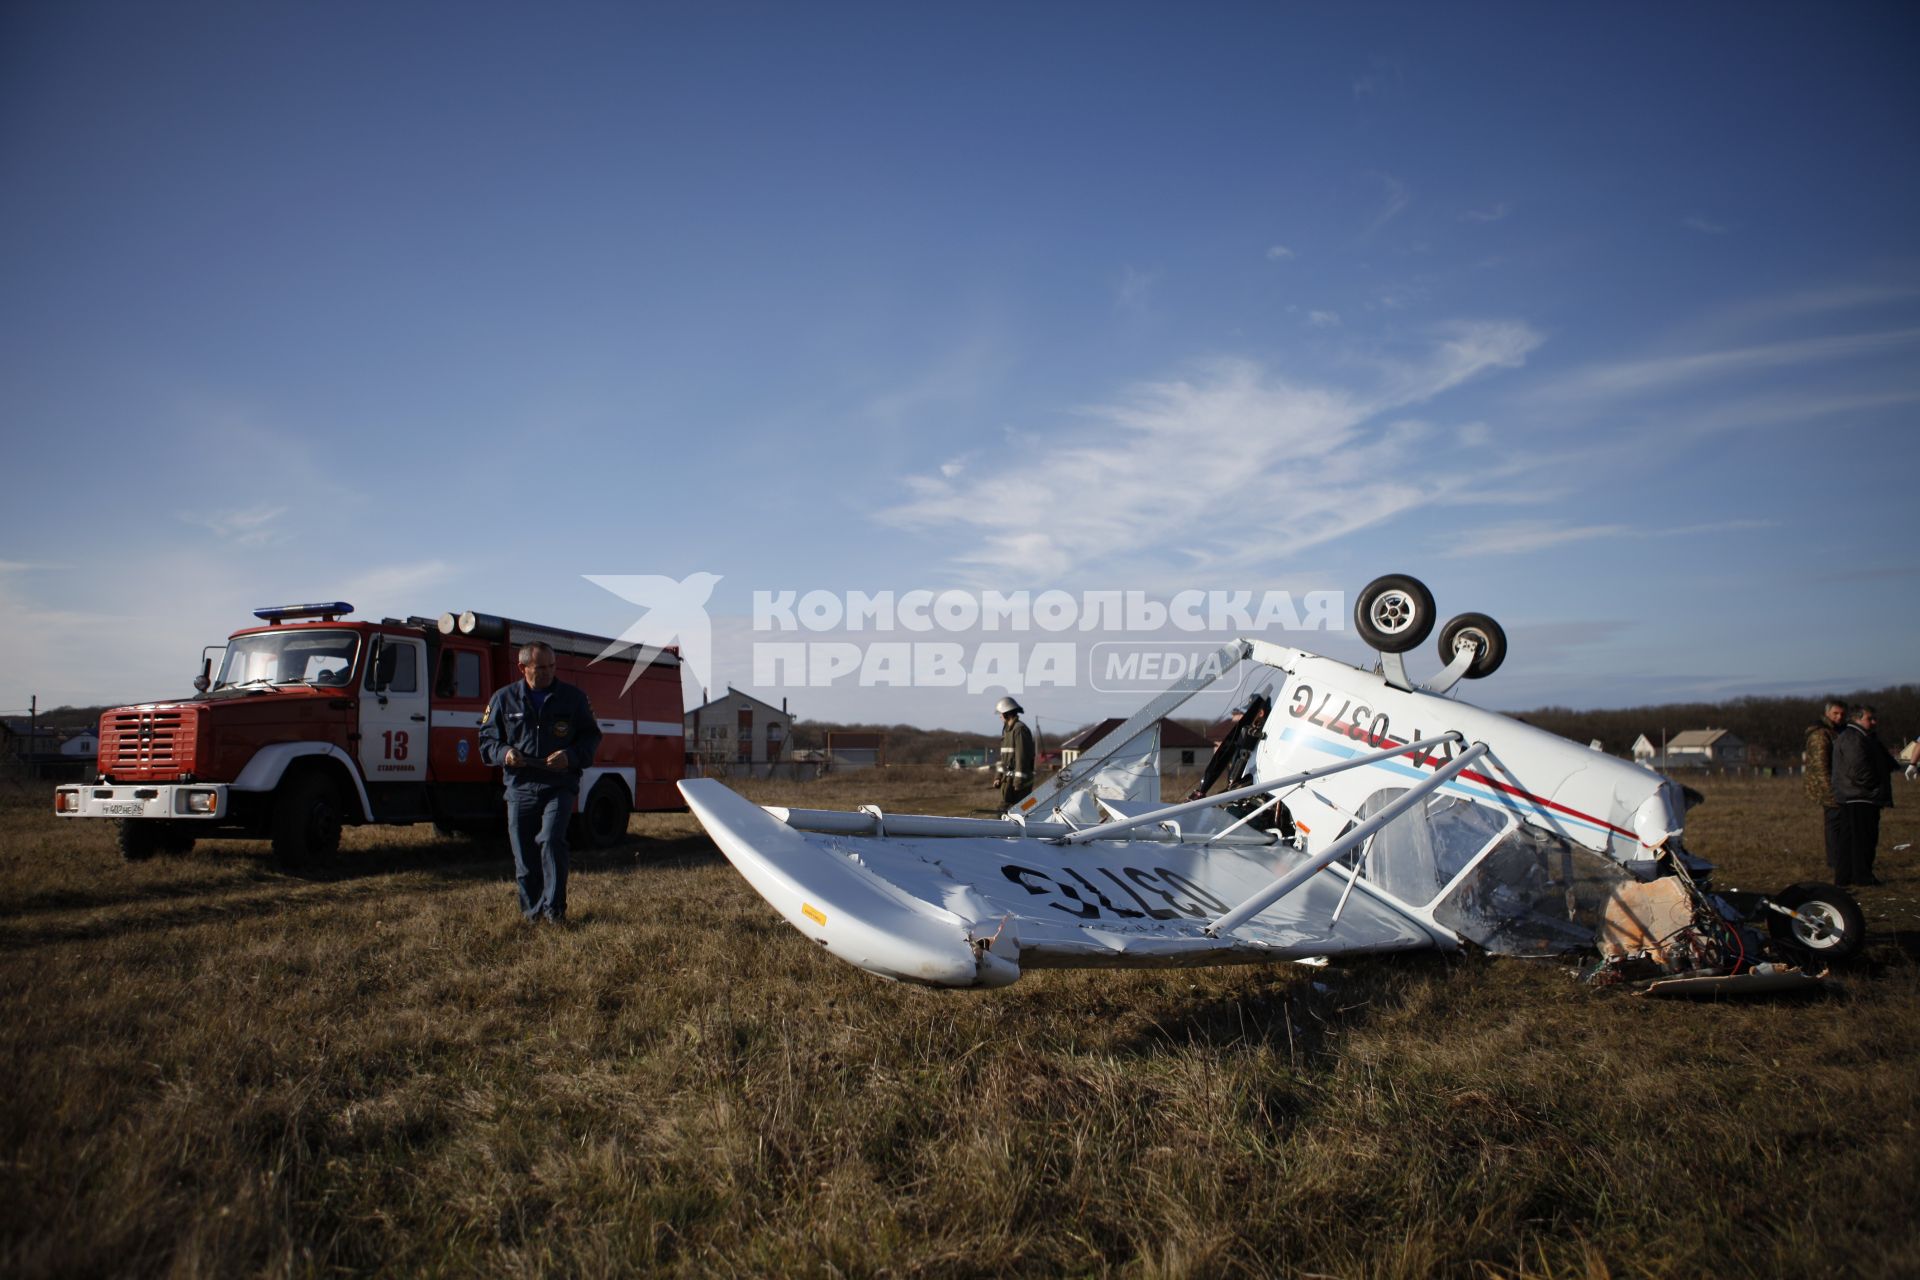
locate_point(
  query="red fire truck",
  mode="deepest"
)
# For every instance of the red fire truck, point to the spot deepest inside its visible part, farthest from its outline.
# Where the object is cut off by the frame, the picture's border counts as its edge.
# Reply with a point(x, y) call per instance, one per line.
point(314, 721)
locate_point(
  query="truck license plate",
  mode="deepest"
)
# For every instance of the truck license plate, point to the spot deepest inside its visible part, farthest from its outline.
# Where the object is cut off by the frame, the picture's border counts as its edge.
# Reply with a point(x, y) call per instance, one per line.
point(124, 806)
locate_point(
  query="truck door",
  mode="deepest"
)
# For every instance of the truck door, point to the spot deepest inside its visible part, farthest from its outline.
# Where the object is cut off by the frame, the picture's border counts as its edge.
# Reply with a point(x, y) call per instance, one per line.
point(460, 692)
point(393, 721)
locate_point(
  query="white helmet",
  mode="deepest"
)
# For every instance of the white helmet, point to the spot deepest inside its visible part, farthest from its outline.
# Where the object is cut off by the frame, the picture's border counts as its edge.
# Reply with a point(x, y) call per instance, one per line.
point(1007, 706)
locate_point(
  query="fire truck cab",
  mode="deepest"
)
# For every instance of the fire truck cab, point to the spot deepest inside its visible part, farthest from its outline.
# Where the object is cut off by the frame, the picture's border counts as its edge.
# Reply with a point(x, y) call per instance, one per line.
point(314, 721)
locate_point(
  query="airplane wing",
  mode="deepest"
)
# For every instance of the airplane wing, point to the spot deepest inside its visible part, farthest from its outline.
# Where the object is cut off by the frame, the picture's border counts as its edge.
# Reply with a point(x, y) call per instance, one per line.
point(923, 900)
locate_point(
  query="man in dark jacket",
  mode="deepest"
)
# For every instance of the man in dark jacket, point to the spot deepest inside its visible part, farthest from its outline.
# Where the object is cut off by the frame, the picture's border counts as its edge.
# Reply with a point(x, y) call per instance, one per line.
point(1863, 786)
point(1819, 776)
point(543, 733)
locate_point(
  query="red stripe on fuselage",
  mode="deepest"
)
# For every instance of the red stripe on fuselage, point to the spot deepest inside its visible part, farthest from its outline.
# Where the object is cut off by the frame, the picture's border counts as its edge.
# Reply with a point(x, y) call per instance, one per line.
point(1427, 758)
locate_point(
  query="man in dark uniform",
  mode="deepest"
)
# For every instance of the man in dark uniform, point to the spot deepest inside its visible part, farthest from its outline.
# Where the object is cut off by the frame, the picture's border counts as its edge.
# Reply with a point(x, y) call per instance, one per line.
point(1234, 758)
point(1863, 784)
point(542, 731)
point(1818, 775)
point(1014, 775)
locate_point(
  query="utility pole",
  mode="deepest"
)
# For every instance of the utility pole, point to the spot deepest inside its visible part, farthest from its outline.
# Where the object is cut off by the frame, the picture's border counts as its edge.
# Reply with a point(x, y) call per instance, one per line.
point(33, 736)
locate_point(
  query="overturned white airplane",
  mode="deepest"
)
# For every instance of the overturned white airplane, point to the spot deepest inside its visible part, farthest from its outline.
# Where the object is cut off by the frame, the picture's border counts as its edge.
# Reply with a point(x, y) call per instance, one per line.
point(1362, 815)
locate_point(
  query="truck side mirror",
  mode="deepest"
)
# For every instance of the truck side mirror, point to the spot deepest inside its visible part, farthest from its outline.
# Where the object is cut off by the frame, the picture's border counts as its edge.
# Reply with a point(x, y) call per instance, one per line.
point(204, 681)
point(385, 663)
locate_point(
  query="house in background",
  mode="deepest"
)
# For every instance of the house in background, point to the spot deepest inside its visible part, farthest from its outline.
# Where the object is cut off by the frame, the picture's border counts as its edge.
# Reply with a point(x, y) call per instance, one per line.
point(1707, 748)
point(737, 735)
point(24, 740)
point(1694, 749)
point(855, 749)
point(40, 750)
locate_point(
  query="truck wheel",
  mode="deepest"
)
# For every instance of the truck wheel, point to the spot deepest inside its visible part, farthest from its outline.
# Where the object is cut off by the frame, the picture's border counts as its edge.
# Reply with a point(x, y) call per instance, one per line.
point(138, 838)
point(603, 820)
point(1394, 613)
point(306, 820)
point(1834, 927)
point(176, 839)
point(1480, 632)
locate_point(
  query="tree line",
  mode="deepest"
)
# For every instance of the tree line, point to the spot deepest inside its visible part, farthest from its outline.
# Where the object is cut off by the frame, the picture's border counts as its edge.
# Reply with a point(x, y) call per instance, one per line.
point(1774, 729)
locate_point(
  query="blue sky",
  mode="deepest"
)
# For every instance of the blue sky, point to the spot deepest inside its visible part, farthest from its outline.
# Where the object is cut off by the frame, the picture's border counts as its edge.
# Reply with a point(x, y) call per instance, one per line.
point(1601, 320)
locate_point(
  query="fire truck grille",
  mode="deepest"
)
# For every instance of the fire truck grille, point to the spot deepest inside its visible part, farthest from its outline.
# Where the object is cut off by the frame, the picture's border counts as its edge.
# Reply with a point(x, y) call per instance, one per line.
point(144, 745)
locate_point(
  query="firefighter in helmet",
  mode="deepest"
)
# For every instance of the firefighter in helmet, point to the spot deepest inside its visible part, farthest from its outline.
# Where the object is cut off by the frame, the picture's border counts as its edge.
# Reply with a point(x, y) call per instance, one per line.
point(1013, 773)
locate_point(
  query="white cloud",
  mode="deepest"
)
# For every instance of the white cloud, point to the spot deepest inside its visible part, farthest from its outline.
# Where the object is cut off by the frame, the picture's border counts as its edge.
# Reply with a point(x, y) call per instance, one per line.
point(1394, 201)
point(1704, 226)
point(1323, 319)
point(1520, 537)
point(1464, 349)
point(1278, 253)
point(395, 586)
point(956, 376)
point(1474, 435)
point(1135, 289)
point(160, 608)
point(1777, 410)
point(1662, 373)
point(1492, 213)
point(1298, 466)
point(952, 467)
point(1825, 300)
point(249, 527)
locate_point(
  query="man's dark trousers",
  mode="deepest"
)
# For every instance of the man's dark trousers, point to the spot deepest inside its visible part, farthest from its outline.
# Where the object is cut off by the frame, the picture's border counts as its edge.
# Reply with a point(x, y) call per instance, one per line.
point(1837, 838)
point(537, 829)
point(1863, 837)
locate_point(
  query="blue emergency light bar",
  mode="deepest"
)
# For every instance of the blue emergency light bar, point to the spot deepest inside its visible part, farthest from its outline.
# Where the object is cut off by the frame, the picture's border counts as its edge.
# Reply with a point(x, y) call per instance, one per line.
point(276, 614)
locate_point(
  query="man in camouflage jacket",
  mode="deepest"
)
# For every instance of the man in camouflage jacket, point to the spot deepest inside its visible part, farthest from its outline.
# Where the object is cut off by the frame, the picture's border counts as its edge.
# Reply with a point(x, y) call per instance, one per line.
point(1819, 778)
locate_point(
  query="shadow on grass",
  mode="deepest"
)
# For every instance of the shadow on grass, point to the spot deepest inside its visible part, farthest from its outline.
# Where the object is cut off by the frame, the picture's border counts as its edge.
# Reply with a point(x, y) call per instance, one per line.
point(1298, 1011)
point(1898, 949)
point(491, 858)
point(353, 875)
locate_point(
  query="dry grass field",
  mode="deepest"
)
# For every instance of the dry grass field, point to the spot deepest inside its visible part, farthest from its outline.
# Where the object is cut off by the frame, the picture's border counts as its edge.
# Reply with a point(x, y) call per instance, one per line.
point(214, 1067)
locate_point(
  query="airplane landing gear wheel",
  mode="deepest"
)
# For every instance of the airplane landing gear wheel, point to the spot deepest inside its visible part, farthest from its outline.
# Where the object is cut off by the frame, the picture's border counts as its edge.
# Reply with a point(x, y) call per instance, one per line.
point(1831, 927)
point(1394, 613)
point(1481, 633)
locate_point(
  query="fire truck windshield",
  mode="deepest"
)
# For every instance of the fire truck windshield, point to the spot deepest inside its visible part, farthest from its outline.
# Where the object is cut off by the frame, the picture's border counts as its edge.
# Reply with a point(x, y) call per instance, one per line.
point(295, 655)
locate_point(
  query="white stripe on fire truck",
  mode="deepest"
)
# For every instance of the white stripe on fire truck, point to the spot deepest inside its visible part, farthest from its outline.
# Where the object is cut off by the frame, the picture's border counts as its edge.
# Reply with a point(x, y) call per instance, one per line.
point(644, 728)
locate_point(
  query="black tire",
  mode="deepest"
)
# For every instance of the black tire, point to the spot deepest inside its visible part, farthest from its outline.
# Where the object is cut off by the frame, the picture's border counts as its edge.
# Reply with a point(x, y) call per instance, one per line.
point(603, 819)
point(1836, 930)
point(176, 839)
point(1394, 613)
point(307, 816)
point(1484, 634)
point(138, 838)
